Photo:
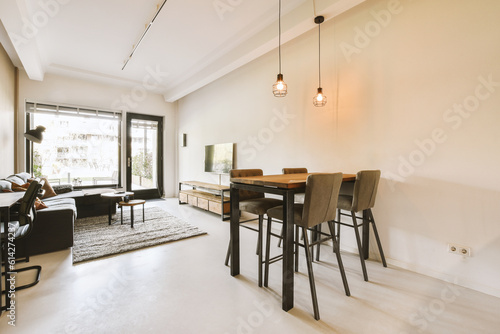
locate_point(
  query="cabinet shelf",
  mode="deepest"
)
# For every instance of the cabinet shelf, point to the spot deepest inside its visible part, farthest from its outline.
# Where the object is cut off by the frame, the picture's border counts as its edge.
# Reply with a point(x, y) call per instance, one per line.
point(207, 196)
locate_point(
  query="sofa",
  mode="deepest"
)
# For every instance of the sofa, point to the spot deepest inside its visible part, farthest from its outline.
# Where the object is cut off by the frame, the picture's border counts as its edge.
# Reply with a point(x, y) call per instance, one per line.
point(54, 224)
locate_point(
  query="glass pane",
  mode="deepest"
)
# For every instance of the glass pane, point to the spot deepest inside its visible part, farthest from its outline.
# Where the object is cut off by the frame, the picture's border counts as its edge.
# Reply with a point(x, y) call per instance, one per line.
point(82, 151)
point(144, 154)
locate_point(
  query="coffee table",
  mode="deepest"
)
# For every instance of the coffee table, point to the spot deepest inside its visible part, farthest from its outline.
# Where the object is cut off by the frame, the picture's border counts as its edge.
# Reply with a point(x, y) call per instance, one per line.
point(131, 204)
point(113, 198)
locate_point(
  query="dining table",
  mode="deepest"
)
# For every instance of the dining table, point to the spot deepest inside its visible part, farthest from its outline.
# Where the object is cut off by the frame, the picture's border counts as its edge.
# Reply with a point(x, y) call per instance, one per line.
point(7, 201)
point(285, 185)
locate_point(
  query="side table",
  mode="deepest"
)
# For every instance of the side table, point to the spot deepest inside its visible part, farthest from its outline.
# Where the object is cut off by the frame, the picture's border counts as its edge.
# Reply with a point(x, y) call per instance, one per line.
point(132, 203)
point(113, 198)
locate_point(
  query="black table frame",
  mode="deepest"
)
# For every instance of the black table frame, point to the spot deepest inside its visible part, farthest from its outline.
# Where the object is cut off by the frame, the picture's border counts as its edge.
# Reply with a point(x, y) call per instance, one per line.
point(5, 212)
point(288, 234)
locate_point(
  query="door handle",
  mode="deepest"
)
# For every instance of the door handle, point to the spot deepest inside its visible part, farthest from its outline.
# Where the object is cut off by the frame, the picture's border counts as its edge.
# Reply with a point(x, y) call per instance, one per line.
point(128, 162)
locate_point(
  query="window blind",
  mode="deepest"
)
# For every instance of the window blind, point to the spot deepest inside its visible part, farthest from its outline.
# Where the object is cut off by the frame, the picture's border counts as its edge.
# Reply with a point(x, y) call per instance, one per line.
point(44, 108)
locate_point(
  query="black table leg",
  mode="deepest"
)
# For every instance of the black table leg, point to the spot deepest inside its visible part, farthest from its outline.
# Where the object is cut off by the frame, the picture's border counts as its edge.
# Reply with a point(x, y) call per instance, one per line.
point(132, 216)
point(234, 230)
point(288, 245)
point(111, 202)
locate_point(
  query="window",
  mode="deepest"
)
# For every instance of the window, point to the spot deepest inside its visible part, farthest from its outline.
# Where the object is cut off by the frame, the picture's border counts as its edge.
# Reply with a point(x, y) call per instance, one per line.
point(80, 146)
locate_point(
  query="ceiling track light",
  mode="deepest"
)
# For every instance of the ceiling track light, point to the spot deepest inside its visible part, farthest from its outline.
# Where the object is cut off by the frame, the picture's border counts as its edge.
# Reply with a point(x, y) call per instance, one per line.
point(134, 48)
point(319, 100)
point(279, 87)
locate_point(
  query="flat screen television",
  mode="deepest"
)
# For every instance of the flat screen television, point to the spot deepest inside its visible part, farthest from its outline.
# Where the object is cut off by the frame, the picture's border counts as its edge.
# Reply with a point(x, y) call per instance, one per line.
point(219, 158)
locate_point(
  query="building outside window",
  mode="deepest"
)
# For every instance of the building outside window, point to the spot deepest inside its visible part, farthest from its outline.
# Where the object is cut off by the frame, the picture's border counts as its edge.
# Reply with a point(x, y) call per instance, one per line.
point(80, 146)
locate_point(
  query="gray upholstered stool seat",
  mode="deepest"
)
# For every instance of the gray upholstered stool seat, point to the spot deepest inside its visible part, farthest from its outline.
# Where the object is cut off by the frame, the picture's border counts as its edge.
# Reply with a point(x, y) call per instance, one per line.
point(259, 206)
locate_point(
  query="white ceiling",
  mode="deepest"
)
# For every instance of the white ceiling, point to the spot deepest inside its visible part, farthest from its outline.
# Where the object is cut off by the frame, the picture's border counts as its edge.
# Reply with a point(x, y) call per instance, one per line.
point(191, 43)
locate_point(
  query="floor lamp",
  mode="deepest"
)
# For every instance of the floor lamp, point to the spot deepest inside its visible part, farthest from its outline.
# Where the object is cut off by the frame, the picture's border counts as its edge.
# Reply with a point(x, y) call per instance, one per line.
point(34, 136)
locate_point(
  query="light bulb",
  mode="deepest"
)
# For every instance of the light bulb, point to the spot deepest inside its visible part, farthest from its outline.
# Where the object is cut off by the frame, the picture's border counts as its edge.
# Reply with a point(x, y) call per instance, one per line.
point(279, 87)
point(319, 100)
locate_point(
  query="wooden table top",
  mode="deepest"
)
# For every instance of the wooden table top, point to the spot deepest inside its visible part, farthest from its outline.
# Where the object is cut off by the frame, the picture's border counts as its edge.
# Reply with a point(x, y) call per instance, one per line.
point(286, 181)
point(117, 194)
point(9, 199)
point(132, 202)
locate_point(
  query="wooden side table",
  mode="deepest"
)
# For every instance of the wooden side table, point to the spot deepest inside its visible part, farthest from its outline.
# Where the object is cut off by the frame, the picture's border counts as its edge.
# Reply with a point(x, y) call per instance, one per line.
point(132, 203)
point(113, 198)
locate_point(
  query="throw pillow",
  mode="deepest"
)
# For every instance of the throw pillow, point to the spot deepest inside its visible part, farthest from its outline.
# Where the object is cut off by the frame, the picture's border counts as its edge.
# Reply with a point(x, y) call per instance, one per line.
point(39, 205)
point(62, 188)
point(20, 187)
point(49, 192)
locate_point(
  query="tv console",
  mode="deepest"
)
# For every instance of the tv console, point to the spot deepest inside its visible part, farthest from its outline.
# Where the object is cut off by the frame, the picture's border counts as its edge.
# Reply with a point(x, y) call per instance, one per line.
point(207, 196)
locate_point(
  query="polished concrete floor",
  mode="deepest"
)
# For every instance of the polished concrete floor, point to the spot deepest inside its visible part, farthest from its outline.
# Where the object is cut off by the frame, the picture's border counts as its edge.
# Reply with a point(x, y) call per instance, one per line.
point(184, 287)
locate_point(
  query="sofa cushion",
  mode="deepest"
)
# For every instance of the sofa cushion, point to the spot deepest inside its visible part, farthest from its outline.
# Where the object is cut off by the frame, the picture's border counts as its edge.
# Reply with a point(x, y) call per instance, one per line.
point(5, 185)
point(15, 179)
point(24, 176)
point(59, 204)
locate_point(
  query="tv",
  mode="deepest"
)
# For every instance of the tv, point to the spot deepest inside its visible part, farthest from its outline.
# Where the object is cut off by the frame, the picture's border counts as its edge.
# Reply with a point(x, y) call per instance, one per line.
point(219, 158)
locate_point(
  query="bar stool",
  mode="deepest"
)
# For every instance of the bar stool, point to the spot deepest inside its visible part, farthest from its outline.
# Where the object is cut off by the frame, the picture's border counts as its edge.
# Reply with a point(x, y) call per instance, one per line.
point(257, 204)
point(320, 202)
point(362, 199)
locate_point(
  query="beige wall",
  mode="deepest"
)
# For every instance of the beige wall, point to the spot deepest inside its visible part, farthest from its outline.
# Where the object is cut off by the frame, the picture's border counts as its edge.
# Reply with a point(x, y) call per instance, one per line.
point(413, 89)
point(61, 90)
point(7, 112)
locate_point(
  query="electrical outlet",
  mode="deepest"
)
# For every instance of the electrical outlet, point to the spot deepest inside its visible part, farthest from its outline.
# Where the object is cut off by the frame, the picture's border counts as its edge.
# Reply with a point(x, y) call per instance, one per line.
point(459, 250)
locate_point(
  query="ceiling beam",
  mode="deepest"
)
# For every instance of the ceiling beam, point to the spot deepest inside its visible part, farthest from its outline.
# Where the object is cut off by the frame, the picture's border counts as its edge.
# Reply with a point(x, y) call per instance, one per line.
point(297, 22)
point(22, 30)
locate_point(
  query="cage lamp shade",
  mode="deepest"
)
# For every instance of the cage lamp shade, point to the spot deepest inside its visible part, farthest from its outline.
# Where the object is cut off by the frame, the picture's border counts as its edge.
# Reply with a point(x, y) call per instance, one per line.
point(280, 87)
point(319, 100)
point(35, 135)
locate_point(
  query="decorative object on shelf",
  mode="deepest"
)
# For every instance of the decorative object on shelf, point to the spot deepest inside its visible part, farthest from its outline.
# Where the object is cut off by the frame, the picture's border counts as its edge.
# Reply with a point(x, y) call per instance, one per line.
point(279, 87)
point(126, 199)
point(319, 100)
point(34, 136)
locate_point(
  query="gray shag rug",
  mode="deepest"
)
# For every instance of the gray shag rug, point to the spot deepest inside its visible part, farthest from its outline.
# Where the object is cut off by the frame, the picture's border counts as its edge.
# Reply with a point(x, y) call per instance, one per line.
point(94, 238)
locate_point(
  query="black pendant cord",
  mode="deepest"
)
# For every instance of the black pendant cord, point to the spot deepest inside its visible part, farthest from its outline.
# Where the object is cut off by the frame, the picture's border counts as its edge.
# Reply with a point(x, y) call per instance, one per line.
point(279, 36)
point(319, 53)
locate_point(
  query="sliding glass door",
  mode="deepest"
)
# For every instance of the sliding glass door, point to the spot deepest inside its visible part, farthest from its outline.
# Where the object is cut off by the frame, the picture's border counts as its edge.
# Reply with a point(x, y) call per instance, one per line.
point(145, 155)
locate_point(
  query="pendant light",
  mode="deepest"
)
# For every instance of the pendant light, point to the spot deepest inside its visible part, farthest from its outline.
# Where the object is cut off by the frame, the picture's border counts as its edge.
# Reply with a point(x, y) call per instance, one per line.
point(279, 87)
point(319, 100)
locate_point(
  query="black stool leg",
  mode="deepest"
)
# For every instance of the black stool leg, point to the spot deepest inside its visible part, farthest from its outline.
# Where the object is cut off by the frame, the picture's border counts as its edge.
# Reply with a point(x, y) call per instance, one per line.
point(121, 208)
point(259, 250)
point(377, 237)
point(360, 248)
point(268, 246)
point(228, 254)
point(336, 249)
point(311, 274)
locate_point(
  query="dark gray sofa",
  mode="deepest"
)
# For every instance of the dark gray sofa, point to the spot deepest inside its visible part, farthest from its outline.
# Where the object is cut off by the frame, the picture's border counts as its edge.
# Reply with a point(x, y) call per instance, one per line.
point(54, 225)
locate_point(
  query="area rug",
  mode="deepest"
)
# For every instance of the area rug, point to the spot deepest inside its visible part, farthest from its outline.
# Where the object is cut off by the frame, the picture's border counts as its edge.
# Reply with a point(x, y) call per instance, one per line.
point(94, 238)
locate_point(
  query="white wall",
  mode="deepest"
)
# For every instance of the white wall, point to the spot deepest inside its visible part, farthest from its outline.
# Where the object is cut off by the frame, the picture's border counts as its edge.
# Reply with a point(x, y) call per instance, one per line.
point(408, 93)
point(62, 90)
point(7, 113)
